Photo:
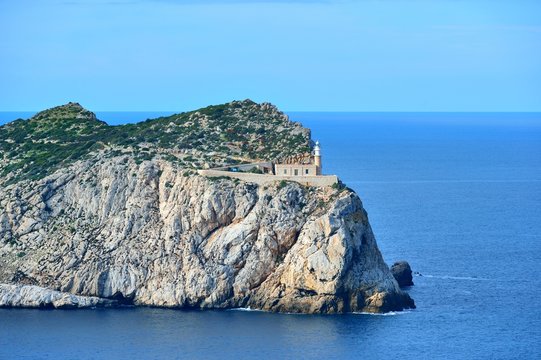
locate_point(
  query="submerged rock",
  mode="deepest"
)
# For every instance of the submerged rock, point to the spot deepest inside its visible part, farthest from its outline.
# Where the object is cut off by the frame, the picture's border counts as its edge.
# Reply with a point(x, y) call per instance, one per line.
point(401, 271)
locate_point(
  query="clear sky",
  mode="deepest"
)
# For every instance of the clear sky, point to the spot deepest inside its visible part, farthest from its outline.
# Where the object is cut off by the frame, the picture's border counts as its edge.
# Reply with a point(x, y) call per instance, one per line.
point(364, 55)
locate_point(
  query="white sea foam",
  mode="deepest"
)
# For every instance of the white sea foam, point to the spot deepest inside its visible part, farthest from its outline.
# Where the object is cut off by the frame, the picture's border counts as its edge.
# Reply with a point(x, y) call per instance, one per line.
point(447, 277)
point(245, 309)
point(390, 313)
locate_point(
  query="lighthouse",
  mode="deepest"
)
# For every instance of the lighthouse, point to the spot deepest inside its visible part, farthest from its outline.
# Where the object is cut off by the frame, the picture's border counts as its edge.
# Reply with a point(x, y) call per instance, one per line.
point(317, 158)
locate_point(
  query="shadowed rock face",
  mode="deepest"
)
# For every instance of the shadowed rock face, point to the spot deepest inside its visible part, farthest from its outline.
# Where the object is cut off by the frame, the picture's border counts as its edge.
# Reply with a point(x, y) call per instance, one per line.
point(401, 271)
point(148, 234)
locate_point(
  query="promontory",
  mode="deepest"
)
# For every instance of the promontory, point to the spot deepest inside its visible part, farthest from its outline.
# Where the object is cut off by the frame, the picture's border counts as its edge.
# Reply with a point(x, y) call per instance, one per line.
point(223, 207)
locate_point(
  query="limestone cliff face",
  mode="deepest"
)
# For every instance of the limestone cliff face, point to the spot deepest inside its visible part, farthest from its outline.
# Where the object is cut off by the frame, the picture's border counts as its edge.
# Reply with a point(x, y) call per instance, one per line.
point(153, 234)
point(31, 296)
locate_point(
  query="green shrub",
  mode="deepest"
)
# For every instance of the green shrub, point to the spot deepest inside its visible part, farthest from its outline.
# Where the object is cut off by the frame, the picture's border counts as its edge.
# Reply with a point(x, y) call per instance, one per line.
point(255, 170)
point(282, 184)
point(339, 186)
point(55, 138)
point(218, 178)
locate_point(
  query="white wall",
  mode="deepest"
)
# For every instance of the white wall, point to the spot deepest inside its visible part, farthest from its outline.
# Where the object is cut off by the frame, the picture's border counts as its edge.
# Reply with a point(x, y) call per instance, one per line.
point(289, 169)
point(320, 180)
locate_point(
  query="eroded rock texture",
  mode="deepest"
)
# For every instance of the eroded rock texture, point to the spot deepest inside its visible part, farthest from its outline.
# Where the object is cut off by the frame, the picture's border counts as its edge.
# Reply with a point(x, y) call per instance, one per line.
point(150, 234)
point(30, 296)
point(401, 271)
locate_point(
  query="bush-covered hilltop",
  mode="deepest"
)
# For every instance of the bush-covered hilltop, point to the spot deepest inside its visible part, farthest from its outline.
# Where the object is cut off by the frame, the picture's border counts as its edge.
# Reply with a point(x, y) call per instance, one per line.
point(239, 131)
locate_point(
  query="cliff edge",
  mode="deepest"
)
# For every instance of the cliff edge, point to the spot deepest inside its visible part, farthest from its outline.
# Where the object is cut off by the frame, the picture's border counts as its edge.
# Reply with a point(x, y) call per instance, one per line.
point(150, 231)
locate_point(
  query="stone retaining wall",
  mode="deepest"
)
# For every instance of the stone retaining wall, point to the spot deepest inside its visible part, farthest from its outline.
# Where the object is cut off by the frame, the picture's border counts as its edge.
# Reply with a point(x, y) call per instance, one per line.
point(244, 167)
point(319, 180)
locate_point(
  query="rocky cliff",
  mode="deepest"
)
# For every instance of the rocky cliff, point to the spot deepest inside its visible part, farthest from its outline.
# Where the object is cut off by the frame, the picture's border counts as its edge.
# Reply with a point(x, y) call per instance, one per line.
point(151, 232)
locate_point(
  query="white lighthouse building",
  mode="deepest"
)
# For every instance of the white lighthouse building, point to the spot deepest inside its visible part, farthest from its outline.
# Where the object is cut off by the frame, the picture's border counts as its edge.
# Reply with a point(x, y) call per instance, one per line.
point(301, 165)
point(317, 158)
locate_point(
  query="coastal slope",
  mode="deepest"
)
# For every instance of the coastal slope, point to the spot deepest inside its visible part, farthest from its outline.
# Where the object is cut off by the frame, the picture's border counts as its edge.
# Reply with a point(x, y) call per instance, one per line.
point(150, 231)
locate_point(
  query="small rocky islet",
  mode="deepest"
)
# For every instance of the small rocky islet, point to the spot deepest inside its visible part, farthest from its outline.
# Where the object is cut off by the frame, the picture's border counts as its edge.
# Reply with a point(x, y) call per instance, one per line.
point(99, 215)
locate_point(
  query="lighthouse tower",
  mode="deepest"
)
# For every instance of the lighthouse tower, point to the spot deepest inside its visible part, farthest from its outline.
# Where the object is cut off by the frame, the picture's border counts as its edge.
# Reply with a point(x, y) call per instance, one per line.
point(317, 158)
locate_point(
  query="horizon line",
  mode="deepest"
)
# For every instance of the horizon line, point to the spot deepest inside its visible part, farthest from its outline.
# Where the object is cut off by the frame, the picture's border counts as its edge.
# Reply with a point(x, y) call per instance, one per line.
point(327, 111)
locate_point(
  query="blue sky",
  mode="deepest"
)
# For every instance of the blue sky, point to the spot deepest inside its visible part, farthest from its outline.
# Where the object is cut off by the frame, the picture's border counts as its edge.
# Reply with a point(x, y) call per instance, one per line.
point(366, 55)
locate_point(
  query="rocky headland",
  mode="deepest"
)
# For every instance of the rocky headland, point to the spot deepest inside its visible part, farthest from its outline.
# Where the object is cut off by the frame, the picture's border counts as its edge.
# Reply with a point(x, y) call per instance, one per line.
point(96, 215)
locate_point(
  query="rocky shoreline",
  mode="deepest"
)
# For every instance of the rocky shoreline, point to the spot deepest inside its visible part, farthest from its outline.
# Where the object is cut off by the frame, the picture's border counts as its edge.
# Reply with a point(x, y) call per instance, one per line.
point(30, 296)
point(164, 239)
point(114, 227)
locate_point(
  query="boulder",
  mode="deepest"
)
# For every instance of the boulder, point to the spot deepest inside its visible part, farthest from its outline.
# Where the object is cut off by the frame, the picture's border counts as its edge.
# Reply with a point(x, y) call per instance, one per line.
point(401, 271)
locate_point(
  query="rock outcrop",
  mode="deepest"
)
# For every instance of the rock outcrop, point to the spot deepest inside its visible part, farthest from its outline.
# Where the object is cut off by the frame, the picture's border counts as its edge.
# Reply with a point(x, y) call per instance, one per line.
point(401, 271)
point(149, 235)
point(29, 296)
point(96, 212)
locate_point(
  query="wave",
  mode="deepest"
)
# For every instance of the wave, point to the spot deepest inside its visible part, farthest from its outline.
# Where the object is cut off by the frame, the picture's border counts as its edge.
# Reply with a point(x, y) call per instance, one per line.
point(448, 277)
point(390, 313)
point(246, 309)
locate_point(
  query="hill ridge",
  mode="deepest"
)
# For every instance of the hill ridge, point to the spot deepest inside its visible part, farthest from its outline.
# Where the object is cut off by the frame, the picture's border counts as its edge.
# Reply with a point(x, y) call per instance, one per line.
point(234, 132)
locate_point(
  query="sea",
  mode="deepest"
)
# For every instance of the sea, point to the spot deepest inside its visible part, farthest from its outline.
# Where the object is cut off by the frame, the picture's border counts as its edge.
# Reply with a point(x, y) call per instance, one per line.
point(457, 195)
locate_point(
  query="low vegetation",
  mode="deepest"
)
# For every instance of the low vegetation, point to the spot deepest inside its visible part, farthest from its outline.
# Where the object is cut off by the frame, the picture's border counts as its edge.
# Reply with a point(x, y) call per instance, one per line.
point(232, 133)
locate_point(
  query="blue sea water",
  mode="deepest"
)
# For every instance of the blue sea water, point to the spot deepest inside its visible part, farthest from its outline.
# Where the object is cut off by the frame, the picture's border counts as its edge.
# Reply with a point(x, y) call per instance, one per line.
point(457, 195)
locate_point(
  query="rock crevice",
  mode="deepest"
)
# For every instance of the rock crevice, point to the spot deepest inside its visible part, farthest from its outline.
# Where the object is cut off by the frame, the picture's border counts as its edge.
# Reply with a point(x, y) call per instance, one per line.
point(164, 238)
